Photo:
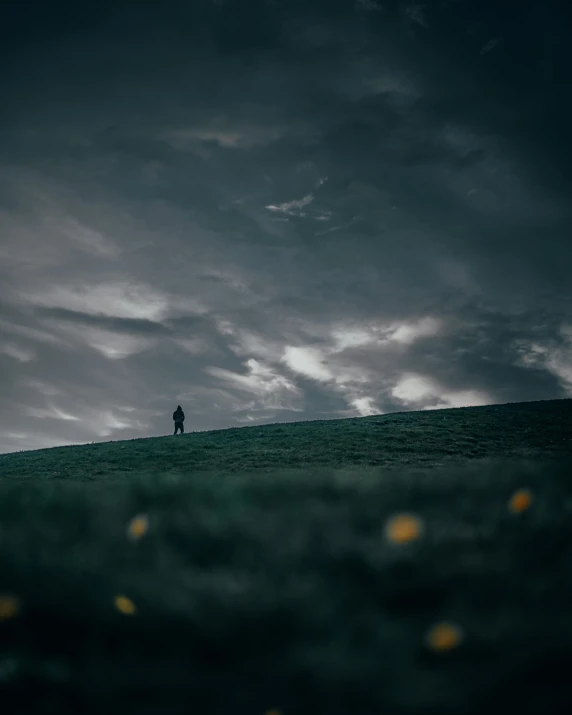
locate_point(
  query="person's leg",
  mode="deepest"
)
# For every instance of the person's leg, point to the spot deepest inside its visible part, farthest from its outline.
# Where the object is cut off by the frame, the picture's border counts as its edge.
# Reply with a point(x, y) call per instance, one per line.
point(182, 428)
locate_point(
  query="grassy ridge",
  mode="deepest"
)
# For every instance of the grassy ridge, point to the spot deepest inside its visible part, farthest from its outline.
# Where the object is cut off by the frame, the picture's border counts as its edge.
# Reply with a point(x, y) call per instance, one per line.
point(425, 439)
point(260, 586)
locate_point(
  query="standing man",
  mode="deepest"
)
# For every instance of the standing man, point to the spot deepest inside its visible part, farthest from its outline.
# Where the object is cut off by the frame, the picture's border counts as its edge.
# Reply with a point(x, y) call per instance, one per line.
point(179, 417)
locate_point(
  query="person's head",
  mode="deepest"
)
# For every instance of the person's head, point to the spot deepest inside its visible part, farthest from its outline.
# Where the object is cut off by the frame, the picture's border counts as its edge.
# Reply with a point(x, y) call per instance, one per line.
point(178, 407)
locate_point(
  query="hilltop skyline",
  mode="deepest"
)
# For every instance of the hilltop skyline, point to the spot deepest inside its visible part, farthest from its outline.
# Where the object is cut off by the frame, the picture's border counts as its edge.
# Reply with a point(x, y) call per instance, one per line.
point(290, 211)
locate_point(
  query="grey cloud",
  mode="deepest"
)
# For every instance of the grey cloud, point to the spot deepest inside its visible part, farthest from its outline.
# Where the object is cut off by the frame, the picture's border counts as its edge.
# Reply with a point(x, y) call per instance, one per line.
point(141, 267)
point(132, 326)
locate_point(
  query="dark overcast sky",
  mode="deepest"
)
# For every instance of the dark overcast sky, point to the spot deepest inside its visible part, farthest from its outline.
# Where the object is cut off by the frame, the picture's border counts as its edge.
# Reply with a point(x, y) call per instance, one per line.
point(279, 210)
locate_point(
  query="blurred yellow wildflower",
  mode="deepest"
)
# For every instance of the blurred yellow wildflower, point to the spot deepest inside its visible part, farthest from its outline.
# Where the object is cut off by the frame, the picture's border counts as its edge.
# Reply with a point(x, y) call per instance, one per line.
point(138, 526)
point(125, 605)
point(9, 607)
point(520, 501)
point(444, 636)
point(403, 528)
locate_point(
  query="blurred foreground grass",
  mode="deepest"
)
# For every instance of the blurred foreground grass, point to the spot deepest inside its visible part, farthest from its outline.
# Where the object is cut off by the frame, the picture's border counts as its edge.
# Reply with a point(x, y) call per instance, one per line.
point(243, 591)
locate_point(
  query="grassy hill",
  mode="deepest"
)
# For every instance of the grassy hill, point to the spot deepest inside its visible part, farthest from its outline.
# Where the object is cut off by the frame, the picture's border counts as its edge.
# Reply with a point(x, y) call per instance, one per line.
point(262, 574)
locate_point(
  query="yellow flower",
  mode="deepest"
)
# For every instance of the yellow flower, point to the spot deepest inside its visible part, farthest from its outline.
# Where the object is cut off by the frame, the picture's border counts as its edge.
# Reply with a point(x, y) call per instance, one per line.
point(403, 528)
point(9, 607)
point(138, 527)
point(125, 605)
point(520, 501)
point(444, 636)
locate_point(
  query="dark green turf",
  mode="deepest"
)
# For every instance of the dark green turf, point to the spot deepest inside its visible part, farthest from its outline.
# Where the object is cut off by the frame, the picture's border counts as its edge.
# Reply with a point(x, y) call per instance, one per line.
point(266, 579)
point(430, 438)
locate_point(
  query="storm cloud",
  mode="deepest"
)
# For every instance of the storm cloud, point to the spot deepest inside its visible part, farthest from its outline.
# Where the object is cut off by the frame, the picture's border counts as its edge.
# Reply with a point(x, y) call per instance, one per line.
point(279, 211)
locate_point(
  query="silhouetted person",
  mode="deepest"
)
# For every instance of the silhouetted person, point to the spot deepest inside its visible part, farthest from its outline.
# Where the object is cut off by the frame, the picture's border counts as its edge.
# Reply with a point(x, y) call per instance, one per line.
point(179, 417)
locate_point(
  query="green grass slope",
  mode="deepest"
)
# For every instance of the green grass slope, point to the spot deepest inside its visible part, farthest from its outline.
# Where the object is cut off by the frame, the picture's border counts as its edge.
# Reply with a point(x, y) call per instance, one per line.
point(266, 578)
point(419, 439)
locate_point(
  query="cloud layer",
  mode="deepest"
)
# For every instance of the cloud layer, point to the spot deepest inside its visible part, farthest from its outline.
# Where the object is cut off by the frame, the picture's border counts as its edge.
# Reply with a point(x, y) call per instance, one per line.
point(295, 211)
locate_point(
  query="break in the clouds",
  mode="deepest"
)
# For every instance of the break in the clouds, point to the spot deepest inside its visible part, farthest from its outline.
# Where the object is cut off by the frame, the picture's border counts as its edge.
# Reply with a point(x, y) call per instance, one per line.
point(279, 211)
